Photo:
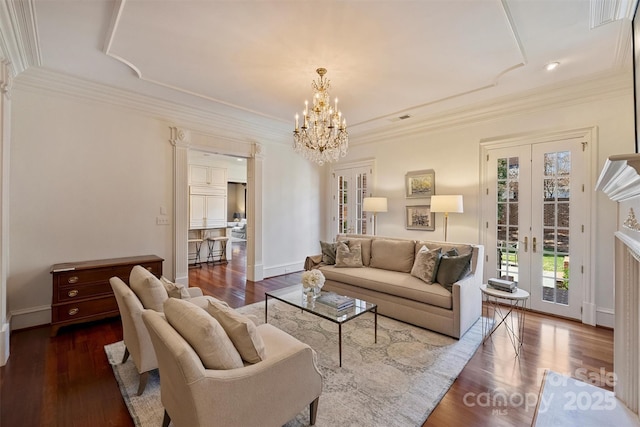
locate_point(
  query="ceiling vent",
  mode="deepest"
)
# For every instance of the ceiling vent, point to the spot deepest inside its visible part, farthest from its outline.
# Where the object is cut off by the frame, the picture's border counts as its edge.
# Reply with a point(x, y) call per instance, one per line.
point(403, 117)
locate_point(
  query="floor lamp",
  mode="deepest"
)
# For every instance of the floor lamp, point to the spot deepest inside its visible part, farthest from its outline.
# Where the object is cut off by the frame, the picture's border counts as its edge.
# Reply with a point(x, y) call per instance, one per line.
point(446, 205)
point(374, 205)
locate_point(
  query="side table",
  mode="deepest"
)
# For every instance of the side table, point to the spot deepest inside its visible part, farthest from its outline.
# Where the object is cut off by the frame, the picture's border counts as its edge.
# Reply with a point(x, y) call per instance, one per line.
point(510, 309)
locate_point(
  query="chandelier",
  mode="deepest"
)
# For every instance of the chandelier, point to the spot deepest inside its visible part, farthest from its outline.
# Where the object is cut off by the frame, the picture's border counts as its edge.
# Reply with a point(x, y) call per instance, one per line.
point(323, 136)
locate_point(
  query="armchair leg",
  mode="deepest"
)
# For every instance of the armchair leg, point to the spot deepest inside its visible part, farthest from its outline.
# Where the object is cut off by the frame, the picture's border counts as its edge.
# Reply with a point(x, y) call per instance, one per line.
point(313, 411)
point(126, 355)
point(144, 377)
point(166, 419)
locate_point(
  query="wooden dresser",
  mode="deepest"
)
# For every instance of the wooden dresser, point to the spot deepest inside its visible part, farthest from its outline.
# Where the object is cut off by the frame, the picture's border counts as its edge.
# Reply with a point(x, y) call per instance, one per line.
point(81, 290)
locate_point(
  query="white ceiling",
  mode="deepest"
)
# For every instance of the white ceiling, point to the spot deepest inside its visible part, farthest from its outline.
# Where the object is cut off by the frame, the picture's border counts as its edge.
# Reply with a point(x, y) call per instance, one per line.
point(254, 60)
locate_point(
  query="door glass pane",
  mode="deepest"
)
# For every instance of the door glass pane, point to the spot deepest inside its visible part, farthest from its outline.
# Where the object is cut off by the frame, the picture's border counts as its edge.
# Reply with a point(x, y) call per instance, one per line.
point(555, 244)
point(361, 193)
point(508, 173)
point(343, 205)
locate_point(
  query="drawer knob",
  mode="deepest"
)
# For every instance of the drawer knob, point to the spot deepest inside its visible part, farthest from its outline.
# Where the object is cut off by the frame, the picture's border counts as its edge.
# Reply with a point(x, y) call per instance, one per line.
point(73, 293)
point(73, 279)
point(73, 311)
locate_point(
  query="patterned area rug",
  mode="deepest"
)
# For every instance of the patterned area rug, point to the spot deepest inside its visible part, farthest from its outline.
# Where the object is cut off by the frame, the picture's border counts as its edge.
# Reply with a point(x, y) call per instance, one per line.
point(396, 382)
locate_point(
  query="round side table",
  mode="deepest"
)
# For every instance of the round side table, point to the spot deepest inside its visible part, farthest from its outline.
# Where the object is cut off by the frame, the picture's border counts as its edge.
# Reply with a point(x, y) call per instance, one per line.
point(509, 308)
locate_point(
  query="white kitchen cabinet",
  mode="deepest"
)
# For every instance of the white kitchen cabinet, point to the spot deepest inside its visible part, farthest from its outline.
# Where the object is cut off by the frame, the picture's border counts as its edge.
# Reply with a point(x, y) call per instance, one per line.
point(207, 208)
point(203, 176)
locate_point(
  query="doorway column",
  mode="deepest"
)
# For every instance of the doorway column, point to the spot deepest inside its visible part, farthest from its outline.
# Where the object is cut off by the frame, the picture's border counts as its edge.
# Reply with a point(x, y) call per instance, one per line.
point(255, 268)
point(5, 135)
point(180, 139)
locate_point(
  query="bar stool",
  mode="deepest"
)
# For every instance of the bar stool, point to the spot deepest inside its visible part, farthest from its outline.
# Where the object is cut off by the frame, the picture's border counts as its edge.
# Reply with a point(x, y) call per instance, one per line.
point(220, 253)
point(195, 256)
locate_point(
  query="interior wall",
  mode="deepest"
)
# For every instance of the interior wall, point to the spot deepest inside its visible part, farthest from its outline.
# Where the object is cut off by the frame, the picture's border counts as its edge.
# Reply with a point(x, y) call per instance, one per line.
point(89, 179)
point(454, 155)
point(292, 206)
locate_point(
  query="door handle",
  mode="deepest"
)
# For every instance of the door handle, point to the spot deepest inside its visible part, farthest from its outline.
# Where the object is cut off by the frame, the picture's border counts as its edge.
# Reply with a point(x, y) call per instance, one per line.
point(526, 243)
point(534, 244)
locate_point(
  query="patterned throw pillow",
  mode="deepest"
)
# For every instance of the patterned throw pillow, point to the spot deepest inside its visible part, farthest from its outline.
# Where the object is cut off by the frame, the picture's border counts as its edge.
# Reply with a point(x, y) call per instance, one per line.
point(426, 263)
point(348, 256)
point(328, 252)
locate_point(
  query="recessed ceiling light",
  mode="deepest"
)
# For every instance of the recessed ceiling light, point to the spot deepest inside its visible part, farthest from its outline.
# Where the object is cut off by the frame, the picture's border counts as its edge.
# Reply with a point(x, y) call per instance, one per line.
point(551, 66)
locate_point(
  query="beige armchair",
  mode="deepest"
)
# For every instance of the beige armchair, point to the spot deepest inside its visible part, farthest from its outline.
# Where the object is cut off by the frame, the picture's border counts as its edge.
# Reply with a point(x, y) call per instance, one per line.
point(268, 393)
point(136, 338)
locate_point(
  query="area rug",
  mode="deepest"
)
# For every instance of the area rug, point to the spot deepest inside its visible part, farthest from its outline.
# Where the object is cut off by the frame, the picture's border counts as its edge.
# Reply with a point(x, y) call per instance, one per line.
point(397, 381)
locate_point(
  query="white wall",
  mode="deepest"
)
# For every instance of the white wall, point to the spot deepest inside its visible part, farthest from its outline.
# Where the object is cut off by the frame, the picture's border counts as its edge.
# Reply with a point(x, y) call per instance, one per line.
point(89, 179)
point(291, 210)
point(87, 182)
point(454, 155)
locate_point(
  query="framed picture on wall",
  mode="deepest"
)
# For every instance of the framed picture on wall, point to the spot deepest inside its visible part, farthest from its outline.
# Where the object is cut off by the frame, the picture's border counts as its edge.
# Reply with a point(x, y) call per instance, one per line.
point(420, 184)
point(420, 218)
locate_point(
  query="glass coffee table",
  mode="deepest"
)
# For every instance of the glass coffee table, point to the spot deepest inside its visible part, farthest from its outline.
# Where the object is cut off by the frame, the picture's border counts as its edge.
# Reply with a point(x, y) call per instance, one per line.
point(296, 297)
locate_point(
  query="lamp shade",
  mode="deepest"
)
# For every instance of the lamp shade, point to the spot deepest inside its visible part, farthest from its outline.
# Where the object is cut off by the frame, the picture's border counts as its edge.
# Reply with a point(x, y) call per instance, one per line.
point(446, 204)
point(374, 204)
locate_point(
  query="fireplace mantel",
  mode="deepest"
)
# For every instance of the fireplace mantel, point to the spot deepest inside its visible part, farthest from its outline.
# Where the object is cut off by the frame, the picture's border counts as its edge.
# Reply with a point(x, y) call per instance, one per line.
point(620, 177)
point(620, 181)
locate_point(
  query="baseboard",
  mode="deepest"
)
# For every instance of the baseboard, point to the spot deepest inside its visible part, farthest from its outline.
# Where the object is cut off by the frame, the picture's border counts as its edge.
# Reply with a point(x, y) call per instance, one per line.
point(255, 273)
point(605, 317)
point(589, 313)
point(5, 334)
point(279, 270)
point(182, 280)
point(30, 317)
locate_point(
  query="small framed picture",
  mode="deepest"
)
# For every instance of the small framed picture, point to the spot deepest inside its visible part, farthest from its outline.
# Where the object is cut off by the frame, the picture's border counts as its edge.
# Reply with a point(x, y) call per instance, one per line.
point(420, 218)
point(420, 184)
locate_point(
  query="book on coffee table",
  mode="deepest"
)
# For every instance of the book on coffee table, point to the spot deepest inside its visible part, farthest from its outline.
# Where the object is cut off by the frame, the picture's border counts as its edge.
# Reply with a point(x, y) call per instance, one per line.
point(339, 302)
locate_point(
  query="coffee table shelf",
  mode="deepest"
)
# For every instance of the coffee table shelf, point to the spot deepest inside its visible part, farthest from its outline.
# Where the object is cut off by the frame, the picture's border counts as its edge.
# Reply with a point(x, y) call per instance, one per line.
point(295, 297)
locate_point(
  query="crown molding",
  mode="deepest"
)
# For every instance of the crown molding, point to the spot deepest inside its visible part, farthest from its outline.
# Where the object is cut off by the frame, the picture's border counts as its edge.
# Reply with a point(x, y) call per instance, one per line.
point(596, 87)
point(231, 126)
point(19, 40)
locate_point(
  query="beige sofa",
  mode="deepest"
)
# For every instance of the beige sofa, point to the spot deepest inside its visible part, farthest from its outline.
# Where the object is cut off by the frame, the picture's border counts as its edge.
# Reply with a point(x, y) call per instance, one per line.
point(386, 280)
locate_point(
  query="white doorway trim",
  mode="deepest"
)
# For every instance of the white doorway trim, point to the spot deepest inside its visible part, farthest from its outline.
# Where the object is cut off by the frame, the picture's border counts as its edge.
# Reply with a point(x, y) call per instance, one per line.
point(181, 140)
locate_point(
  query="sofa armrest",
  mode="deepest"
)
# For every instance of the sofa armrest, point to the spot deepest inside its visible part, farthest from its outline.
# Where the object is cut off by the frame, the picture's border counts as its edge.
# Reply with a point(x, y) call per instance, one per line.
point(312, 262)
point(194, 292)
point(467, 303)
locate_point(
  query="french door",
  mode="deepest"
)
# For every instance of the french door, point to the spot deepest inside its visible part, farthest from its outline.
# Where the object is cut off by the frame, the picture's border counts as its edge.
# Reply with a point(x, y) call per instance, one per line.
point(534, 209)
point(350, 185)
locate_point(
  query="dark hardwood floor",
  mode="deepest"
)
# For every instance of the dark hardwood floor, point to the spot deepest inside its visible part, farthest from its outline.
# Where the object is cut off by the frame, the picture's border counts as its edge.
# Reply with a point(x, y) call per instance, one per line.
point(67, 381)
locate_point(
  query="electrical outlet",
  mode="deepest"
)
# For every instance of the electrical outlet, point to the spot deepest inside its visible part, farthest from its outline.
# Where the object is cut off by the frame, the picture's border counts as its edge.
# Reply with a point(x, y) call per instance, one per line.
point(162, 220)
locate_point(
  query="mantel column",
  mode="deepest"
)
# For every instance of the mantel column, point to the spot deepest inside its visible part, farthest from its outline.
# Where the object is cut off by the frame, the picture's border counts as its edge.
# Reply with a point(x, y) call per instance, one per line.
point(180, 139)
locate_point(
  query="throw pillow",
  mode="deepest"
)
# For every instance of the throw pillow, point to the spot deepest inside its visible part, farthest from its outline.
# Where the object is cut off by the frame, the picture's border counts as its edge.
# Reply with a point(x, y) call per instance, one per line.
point(147, 288)
point(425, 266)
point(203, 333)
point(453, 268)
point(241, 330)
point(328, 252)
point(348, 256)
point(175, 290)
point(392, 254)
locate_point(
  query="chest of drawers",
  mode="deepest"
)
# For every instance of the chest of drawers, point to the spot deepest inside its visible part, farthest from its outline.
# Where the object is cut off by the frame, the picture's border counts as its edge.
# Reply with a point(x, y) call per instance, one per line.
point(81, 290)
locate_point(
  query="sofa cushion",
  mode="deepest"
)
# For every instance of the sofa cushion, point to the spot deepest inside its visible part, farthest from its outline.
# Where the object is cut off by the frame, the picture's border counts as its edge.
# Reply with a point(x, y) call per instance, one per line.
point(425, 265)
point(365, 245)
point(328, 252)
point(347, 256)
point(147, 288)
point(241, 330)
point(175, 290)
point(453, 268)
point(394, 255)
point(203, 333)
point(390, 282)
